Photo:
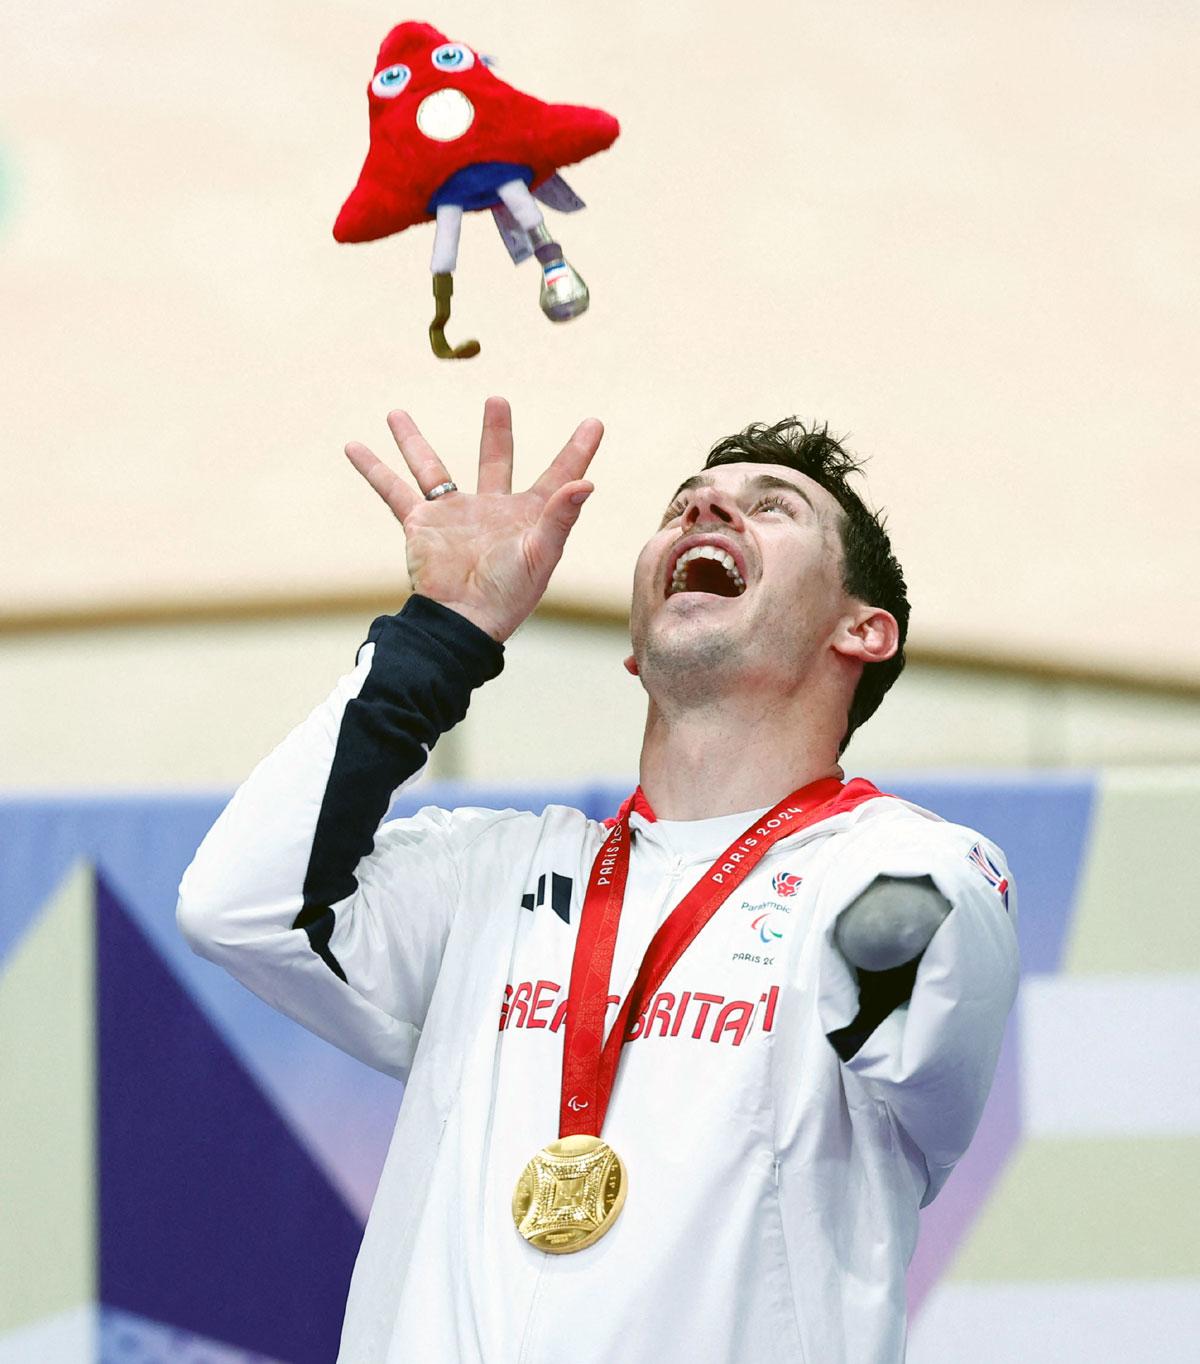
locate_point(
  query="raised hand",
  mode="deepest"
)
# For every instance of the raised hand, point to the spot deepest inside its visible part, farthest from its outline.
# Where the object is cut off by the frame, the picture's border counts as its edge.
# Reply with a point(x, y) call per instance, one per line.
point(487, 555)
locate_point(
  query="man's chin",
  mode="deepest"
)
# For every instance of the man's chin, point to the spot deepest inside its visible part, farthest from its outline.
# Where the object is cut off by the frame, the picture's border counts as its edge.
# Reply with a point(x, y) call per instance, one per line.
point(698, 613)
point(680, 644)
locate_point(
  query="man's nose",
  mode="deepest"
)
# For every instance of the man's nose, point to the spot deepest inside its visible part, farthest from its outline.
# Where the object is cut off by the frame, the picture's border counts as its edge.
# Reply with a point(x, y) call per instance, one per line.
point(709, 504)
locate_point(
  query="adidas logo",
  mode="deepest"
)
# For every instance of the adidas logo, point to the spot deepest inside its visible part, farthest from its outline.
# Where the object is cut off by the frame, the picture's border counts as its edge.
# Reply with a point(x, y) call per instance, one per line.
point(560, 895)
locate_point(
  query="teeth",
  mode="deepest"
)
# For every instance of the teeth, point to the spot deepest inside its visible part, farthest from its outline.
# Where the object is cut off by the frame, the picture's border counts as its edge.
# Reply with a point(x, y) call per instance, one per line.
point(720, 556)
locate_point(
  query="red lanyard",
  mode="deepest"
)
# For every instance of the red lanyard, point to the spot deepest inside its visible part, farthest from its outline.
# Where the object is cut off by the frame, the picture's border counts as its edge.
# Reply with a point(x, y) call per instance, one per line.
point(590, 1062)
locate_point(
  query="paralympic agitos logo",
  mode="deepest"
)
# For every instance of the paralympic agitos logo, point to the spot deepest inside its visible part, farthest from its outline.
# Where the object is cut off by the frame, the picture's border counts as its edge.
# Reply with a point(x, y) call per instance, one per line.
point(769, 915)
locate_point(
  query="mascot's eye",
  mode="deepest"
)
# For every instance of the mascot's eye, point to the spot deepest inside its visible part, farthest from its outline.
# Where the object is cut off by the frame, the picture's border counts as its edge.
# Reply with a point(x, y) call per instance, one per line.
point(453, 57)
point(391, 80)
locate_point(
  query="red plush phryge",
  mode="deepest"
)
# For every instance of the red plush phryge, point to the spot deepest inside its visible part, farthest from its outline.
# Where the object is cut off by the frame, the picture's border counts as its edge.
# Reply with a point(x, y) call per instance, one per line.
point(448, 136)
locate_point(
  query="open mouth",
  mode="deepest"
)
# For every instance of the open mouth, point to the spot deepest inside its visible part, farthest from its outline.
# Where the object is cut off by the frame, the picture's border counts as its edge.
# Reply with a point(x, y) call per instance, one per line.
point(706, 568)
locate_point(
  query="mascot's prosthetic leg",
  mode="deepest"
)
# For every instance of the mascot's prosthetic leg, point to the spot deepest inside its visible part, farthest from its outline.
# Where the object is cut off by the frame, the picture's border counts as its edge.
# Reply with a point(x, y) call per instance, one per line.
point(445, 258)
point(449, 137)
point(563, 294)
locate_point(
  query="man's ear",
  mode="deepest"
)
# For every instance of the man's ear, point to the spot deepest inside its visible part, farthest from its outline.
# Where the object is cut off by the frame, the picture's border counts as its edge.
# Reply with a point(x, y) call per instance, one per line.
point(870, 635)
point(631, 666)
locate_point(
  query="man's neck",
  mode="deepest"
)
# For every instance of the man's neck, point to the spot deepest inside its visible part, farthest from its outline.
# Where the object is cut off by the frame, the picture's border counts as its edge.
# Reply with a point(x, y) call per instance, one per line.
point(735, 755)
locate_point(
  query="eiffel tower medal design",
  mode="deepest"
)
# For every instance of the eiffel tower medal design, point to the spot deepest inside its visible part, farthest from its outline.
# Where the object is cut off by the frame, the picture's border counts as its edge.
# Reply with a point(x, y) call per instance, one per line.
point(569, 1194)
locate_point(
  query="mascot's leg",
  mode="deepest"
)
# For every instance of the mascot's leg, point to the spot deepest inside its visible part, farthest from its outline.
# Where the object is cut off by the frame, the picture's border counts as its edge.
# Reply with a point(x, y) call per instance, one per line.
point(445, 258)
point(564, 295)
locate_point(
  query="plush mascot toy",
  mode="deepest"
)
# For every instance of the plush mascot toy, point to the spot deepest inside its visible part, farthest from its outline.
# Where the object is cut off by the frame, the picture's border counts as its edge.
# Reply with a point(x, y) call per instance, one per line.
point(447, 136)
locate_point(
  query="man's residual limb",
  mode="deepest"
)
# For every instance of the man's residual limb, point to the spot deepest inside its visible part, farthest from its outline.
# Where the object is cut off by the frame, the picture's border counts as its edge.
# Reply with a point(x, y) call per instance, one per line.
point(891, 922)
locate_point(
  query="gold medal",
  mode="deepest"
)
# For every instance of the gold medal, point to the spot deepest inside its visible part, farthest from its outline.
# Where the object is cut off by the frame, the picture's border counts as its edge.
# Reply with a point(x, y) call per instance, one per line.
point(569, 1194)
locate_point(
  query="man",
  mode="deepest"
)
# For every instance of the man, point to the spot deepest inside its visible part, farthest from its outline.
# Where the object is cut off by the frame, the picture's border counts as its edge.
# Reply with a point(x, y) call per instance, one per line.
point(754, 1083)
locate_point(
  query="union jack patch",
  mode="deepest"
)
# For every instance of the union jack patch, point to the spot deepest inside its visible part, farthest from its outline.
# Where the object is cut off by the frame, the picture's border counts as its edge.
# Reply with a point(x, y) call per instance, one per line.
point(785, 883)
point(990, 871)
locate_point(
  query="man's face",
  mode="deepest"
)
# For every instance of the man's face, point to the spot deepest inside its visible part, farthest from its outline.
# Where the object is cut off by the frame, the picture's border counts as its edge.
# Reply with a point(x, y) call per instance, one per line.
point(742, 583)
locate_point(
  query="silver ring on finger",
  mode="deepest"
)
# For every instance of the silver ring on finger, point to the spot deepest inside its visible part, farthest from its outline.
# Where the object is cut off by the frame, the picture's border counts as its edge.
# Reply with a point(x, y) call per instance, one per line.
point(441, 490)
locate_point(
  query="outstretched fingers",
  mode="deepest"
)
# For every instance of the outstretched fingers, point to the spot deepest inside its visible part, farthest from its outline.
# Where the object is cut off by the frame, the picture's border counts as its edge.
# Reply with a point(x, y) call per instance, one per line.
point(496, 447)
point(557, 520)
point(386, 482)
point(571, 462)
point(419, 455)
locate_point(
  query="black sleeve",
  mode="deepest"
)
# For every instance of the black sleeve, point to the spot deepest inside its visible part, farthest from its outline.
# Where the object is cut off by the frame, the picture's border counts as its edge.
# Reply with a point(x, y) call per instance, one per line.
point(427, 660)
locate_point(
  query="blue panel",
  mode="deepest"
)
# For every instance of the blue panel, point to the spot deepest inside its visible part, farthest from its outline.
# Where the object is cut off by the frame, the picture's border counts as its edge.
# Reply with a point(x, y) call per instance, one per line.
point(597, 801)
point(1042, 823)
point(39, 842)
point(144, 841)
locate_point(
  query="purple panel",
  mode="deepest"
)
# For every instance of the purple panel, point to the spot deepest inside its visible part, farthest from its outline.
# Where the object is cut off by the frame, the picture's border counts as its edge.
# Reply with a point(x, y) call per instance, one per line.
point(213, 1218)
point(948, 1219)
point(1043, 826)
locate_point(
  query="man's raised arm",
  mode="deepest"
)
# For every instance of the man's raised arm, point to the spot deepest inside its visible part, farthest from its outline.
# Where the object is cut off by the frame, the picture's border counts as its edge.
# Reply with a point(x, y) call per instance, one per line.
point(296, 890)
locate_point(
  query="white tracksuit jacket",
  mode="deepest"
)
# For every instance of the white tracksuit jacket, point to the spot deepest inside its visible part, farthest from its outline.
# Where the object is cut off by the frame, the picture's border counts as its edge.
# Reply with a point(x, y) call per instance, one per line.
point(781, 1117)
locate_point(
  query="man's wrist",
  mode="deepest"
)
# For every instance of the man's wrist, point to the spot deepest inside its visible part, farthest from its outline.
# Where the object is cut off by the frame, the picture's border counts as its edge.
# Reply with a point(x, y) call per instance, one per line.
point(477, 650)
point(481, 619)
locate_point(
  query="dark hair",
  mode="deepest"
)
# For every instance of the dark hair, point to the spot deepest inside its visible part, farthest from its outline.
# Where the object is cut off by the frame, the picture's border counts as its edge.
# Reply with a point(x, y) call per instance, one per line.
point(870, 570)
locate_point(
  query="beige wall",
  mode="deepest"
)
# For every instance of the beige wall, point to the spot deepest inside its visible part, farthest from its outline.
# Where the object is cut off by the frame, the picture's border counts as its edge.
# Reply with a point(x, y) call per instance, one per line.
point(194, 707)
point(965, 234)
